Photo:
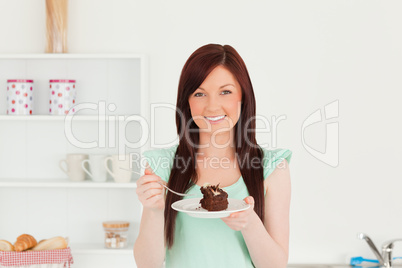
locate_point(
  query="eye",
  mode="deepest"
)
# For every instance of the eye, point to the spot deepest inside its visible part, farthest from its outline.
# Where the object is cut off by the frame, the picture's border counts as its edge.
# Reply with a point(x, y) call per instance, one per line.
point(198, 94)
point(225, 92)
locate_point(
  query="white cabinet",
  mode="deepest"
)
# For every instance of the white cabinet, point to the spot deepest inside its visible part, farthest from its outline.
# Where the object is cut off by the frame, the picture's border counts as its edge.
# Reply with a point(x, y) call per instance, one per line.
point(35, 195)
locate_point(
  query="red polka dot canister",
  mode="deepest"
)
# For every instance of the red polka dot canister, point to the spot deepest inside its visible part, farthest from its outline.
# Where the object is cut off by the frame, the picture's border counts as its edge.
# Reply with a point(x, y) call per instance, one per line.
point(62, 96)
point(19, 96)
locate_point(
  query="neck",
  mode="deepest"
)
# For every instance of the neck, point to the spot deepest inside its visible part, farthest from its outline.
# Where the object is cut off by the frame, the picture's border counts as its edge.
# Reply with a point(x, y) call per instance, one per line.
point(220, 146)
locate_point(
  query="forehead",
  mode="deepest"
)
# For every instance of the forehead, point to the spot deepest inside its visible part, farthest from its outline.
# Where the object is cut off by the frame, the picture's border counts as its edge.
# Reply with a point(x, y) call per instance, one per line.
point(218, 77)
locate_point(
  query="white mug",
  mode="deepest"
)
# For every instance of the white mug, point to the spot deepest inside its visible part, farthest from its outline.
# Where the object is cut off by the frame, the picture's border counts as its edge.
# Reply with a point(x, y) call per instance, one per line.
point(119, 162)
point(96, 164)
point(74, 169)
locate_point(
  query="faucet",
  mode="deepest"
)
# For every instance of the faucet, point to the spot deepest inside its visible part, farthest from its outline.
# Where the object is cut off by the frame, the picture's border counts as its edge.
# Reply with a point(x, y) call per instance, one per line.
point(385, 259)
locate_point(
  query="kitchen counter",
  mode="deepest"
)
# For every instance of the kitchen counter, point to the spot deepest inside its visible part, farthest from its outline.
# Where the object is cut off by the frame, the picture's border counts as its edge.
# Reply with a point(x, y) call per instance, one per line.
point(319, 266)
point(335, 266)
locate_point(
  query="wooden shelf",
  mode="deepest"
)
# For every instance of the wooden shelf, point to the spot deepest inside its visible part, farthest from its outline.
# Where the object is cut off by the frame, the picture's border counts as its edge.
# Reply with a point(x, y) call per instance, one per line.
point(63, 183)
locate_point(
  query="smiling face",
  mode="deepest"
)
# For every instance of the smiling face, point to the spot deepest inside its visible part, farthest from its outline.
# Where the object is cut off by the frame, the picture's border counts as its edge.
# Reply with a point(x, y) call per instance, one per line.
point(216, 103)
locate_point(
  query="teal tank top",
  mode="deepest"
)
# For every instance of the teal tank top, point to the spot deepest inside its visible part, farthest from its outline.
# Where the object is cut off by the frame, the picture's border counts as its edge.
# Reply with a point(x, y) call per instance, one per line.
point(200, 242)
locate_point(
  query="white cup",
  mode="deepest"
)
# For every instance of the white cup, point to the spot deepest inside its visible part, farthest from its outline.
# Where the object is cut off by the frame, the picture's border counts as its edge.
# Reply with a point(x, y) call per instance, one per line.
point(74, 169)
point(118, 162)
point(96, 165)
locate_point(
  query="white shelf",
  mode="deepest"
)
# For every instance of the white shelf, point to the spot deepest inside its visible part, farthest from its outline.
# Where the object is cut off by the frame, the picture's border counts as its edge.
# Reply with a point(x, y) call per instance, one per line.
point(63, 183)
point(31, 146)
point(100, 249)
point(58, 56)
point(61, 117)
point(113, 78)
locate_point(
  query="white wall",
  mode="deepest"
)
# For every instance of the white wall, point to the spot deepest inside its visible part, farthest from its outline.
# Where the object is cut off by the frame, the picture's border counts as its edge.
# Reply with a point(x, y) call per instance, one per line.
point(301, 55)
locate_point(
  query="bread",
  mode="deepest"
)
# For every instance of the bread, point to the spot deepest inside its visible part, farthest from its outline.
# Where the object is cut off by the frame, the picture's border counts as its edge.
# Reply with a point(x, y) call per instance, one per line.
point(57, 242)
point(24, 242)
point(6, 246)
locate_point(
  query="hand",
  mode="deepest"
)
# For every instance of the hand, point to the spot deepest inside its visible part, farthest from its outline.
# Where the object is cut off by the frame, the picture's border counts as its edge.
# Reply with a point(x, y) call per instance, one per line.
point(239, 221)
point(150, 193)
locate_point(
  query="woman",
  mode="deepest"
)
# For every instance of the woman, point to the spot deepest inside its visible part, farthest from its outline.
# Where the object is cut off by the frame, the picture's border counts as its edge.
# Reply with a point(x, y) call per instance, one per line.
point(216, 125)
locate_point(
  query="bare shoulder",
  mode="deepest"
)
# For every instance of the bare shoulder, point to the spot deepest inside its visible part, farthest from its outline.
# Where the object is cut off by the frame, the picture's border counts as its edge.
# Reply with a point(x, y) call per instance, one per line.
point(277, 205)
point(279, 177)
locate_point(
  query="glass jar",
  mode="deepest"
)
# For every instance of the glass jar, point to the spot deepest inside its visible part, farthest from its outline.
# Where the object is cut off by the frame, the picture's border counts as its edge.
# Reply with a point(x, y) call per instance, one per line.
point(116, 234)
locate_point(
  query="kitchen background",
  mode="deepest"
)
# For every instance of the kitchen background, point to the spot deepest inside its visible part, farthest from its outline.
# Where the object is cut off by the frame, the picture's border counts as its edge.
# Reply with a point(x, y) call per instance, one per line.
point(301, 55)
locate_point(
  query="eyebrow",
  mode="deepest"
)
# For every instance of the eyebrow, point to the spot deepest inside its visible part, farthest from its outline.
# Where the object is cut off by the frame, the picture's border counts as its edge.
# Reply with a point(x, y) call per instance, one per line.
point(220, 86)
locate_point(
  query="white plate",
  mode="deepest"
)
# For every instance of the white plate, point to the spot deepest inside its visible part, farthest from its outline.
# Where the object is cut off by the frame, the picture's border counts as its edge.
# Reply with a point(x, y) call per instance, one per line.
point(193, 208)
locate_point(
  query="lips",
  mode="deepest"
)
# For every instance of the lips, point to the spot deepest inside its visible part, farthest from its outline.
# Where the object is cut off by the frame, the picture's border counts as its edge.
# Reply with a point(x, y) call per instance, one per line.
point(215, 118)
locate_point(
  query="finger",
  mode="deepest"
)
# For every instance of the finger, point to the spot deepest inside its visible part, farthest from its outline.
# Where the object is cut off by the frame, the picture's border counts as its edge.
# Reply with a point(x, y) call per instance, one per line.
point(242, 214)
point(148, 178)
point(228, 220)
point(233, 215)
point(225, 220)
point(234, 224)
point(146, 198)
point(148, 171)
point(152, 192)
point(141, 189)
point(249, 200)
point(237, 215)
point(148, 186)
point(144, 188)
point(152, 200)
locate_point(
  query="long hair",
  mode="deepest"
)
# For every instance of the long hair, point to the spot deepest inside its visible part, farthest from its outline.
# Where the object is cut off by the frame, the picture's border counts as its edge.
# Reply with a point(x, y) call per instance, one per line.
point(194, 72)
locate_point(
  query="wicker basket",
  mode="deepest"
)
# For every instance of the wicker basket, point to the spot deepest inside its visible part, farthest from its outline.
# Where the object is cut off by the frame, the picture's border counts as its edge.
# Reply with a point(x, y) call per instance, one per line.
point(58, 258)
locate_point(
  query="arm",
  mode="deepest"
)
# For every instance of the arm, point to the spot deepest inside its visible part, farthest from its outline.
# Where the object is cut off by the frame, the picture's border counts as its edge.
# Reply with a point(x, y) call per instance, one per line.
point(149, 248)
point(273, 236)
point(268, 243)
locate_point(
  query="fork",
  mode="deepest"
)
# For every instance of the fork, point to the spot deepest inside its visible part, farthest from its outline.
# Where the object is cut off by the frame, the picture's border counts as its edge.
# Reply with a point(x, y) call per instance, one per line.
point(167, 188)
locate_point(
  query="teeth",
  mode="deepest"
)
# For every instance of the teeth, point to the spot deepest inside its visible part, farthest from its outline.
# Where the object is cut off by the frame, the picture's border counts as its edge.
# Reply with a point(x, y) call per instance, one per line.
point(215, 118)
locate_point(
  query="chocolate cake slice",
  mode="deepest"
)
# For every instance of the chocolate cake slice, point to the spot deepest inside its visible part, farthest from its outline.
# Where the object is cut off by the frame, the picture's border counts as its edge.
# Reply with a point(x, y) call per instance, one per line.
point(214, 199)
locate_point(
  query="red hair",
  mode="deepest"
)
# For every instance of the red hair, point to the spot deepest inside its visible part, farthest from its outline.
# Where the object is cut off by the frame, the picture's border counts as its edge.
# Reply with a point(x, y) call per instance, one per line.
point(194, 72)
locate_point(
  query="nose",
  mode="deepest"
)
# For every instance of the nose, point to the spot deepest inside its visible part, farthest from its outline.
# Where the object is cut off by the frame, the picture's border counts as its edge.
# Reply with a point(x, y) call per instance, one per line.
point(214, 104)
